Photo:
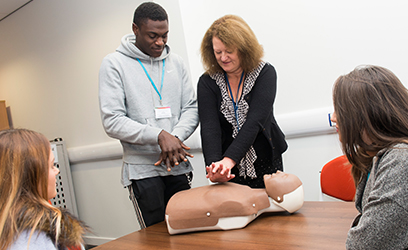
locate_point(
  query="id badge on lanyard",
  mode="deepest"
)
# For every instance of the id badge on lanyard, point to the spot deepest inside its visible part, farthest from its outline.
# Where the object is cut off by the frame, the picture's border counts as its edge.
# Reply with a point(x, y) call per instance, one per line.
point(162, 112)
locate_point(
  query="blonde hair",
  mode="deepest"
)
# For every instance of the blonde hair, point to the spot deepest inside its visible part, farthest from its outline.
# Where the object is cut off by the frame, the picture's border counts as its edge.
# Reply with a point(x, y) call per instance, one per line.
point(233, 32)
point(24, 157)
point(370, 102)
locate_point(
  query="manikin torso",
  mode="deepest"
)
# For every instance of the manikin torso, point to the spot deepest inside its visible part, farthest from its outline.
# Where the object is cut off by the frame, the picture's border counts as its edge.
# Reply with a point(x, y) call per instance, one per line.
point(228, 205)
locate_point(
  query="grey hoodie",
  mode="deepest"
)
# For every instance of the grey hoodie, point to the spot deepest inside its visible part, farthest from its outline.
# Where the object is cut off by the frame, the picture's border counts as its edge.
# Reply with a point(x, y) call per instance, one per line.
point(128, 100)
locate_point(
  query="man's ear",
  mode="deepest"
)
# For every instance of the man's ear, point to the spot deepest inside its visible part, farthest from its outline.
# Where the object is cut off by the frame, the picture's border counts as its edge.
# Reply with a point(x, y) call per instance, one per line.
point(135, 29)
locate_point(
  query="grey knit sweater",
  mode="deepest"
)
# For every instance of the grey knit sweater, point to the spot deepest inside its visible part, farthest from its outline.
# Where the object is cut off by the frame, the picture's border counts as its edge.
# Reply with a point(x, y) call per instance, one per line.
point(382, 200)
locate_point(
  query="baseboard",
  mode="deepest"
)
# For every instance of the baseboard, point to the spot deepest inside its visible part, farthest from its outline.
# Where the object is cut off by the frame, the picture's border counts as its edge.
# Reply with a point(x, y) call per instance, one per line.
point(94, 240)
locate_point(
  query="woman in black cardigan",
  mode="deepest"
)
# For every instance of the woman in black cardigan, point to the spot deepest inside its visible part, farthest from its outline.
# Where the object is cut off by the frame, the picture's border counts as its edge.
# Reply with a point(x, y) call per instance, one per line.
point(240, 137)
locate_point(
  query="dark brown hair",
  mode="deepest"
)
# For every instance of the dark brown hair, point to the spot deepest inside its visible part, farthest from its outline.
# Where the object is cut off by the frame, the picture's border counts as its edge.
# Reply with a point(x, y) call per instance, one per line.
point(371, 106)
point(149, 10)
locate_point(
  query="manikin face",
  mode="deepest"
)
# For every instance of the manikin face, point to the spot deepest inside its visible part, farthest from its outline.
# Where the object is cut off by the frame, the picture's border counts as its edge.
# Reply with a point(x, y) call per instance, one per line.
point(227, 58)
point(151, 37)
point(52, 173)
point(280, 183)
point(279, 177)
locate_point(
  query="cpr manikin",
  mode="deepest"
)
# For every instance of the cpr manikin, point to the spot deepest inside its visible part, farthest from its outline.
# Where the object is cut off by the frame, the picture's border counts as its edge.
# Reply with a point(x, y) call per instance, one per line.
point(228, 205)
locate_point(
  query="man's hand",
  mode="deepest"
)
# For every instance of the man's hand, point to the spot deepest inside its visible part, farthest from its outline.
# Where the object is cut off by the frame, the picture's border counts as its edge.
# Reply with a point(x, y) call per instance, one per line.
point(173, 150)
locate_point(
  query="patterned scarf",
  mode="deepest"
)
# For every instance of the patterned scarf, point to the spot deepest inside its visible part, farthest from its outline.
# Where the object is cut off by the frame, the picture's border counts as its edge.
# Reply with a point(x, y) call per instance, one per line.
point(246, 165)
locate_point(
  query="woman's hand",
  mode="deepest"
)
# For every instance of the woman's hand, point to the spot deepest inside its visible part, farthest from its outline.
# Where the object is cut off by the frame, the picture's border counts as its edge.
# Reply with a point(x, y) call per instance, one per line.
point(220, 171)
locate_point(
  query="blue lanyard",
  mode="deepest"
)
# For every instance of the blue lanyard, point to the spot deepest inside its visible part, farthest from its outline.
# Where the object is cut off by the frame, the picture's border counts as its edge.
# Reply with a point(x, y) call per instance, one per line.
point(151, 81)
point(232, 97)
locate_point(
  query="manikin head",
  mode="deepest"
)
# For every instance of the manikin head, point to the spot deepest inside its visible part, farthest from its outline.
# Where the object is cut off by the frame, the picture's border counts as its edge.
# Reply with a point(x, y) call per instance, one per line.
point(279, 184)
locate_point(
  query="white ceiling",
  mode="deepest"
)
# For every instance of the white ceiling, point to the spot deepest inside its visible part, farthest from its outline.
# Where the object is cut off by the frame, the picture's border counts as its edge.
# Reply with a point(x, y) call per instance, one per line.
point(9, 6)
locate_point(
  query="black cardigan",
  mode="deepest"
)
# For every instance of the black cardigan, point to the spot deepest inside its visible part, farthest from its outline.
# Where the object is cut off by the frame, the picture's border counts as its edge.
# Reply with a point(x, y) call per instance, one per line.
point(216, 131)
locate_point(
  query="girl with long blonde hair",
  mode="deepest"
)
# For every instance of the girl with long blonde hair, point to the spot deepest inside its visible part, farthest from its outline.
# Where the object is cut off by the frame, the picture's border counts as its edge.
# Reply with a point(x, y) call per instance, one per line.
point(28, 181)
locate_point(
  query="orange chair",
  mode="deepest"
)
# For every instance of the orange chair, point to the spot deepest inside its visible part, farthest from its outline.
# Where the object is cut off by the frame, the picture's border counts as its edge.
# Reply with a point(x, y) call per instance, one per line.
point(336, 180)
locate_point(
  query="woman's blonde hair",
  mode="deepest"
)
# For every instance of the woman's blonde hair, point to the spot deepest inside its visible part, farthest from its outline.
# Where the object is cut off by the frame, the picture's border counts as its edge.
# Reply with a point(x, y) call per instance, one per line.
point(233, 32)
point(24, 166)
point(371, 106)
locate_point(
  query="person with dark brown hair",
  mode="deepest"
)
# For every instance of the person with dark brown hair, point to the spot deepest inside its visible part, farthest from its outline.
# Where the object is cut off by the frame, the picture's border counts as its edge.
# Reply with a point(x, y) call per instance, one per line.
point(371, 116)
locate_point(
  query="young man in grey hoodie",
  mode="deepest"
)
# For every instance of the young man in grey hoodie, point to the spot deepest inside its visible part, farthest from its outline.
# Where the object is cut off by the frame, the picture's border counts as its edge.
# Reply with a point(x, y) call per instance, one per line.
point(148, 103)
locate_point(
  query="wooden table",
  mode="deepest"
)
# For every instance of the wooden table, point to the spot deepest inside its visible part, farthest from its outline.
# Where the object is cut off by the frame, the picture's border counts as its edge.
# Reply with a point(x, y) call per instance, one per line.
point(317, 225)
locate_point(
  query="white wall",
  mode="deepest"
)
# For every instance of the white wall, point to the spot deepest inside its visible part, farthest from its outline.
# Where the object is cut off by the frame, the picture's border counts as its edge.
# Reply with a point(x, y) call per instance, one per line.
point(50, 53)
point(310, 43)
